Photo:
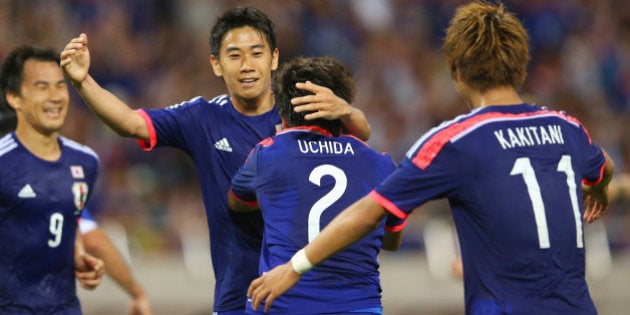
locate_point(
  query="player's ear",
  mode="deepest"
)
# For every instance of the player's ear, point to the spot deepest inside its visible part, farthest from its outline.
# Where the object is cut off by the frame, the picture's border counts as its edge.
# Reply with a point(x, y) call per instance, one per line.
point(216, 66)
point(13, 100)
point(275, 55)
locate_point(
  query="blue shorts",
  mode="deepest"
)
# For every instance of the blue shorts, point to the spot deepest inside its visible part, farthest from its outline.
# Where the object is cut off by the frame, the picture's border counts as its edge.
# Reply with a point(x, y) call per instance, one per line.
point(232, 312)
point(364, 311)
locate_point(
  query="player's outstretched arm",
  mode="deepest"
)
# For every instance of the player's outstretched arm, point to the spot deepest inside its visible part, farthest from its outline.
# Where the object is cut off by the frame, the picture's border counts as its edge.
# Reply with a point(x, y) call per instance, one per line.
point(348, 227)
point(596, 196)
point(75, 62)
point(327, 105)
point(97, 243)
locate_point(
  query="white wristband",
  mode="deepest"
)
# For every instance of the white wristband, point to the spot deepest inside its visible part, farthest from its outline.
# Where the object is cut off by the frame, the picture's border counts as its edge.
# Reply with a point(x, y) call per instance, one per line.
point(300, 262)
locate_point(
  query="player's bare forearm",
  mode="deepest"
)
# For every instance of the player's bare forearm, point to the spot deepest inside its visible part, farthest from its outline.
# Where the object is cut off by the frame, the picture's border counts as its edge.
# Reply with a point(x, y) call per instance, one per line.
point(75, 62)
point(348, 227)
point(98, 244)
point(356, 124)
point(89, 270)
point(112, 111)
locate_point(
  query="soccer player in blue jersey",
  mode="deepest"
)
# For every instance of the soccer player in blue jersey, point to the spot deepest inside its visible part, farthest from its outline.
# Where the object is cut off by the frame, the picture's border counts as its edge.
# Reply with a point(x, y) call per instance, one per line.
point(301, 179)
point(218, 134)
point(97, 243)
point(45, 180)
point(515, 175)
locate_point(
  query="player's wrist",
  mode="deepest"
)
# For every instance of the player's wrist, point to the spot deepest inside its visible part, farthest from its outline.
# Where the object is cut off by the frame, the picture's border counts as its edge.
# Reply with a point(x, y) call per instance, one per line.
point(300, 262)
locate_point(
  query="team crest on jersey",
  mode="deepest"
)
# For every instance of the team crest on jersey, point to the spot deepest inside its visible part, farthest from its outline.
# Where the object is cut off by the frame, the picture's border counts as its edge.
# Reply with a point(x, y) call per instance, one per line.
point(77, 171)
point(80, 192)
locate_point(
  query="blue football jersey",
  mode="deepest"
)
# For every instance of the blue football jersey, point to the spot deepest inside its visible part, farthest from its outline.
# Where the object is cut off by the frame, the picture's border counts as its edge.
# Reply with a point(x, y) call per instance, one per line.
point(512, 175)
point(302, 178)
point(40, 203)
point(218, 139)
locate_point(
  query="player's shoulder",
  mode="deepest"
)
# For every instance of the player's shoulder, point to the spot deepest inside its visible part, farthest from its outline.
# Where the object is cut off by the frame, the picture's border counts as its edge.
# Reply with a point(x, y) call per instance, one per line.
point(199, 102)
point(79, 148)
point(365, 148)
point(7, 144)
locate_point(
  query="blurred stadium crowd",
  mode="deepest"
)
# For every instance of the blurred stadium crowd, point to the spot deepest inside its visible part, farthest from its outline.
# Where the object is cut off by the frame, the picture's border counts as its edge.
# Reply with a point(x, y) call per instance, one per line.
point(154, 53)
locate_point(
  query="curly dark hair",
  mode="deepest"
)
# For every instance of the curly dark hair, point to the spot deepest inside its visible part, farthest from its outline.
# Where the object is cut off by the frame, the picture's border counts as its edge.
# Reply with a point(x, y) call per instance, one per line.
point(324, 71)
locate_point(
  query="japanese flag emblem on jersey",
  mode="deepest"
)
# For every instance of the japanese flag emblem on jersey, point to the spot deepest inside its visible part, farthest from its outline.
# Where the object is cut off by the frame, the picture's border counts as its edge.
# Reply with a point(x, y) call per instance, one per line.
point(80, 192)
point(77, 171)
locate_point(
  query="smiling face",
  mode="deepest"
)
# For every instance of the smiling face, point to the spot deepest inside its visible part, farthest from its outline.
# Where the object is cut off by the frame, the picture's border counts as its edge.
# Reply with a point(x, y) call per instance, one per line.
point(43, 101)
point(246, 62)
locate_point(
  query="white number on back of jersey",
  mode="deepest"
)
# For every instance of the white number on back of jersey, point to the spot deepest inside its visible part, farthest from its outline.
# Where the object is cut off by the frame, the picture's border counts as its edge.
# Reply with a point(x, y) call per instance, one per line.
point(524, 167)
point(341, 183)
point(56, 227)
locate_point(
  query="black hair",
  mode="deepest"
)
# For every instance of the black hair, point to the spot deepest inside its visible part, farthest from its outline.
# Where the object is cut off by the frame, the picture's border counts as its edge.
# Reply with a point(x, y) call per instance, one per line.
point(241, 17)
point(324, 71)
point(12, 75)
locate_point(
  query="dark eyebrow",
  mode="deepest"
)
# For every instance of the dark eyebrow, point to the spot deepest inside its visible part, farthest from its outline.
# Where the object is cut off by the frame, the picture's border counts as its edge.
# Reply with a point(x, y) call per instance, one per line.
point(230, 49)
point(46, 83)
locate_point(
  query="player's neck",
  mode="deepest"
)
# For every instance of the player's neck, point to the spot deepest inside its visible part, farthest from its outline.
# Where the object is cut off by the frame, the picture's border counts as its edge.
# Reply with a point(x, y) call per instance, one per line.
point(253, 107)
point(501, 96)
point(43, 146)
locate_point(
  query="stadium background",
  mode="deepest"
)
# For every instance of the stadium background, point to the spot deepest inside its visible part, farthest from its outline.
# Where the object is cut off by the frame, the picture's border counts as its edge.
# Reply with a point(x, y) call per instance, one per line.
point(154, 53)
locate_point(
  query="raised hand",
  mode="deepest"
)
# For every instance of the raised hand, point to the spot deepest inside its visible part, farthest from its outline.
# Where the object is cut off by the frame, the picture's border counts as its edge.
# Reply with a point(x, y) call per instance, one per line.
point(75, 59)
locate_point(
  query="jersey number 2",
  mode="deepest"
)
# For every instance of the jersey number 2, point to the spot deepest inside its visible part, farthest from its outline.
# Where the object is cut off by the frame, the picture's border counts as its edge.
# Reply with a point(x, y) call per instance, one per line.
point(523, 166)
point(341, 183)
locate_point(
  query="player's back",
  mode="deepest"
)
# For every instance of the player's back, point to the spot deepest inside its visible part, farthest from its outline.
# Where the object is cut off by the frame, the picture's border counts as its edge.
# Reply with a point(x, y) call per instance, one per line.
point(305, 178)
point(517, 205)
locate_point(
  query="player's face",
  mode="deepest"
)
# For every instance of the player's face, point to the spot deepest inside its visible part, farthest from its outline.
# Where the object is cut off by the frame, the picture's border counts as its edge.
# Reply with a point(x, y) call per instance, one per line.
point(245, 63)
point(43, 103)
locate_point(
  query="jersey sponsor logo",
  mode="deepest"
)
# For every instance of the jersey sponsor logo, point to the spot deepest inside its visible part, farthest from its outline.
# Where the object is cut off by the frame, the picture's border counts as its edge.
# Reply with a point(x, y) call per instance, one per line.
point(223, 145)
point(27, 192)
point(77, 171)
point(80, 192)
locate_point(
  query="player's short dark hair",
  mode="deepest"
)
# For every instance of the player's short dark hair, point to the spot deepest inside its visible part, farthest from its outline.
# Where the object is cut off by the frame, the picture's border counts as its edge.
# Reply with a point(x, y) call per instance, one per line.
point(241, 17)
point(12, 76)
point(324, 71)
